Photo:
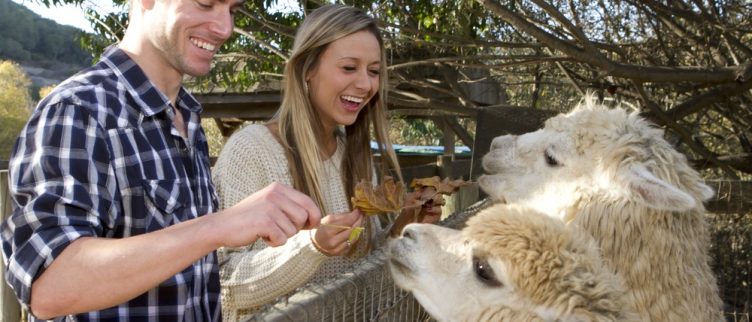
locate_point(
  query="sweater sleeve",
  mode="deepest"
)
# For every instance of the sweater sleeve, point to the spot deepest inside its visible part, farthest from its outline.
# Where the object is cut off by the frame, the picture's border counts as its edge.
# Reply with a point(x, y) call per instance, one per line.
point(240, 169)
point(253, 277)
point(256, 275)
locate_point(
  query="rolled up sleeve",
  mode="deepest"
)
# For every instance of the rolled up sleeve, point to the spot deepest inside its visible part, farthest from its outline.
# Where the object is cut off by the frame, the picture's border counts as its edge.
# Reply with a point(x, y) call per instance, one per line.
point(62, 186)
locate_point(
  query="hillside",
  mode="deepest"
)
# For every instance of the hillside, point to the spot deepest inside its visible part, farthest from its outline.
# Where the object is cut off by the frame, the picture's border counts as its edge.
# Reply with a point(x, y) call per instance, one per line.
point(48, 52)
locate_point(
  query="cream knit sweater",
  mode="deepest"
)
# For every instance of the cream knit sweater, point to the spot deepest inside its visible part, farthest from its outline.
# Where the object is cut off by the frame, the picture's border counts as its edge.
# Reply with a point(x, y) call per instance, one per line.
point(256, 275)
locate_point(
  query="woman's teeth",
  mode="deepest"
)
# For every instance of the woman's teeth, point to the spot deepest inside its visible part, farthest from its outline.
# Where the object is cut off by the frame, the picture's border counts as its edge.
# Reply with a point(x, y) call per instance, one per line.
point(353, 99)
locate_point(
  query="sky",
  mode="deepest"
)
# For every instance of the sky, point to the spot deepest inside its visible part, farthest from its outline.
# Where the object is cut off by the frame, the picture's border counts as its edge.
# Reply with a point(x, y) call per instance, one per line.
point(74, 16)
point(65, 15)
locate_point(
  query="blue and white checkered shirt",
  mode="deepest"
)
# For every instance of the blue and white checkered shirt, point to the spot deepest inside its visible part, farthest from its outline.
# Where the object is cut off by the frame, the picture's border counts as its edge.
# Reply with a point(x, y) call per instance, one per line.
point(100, 157)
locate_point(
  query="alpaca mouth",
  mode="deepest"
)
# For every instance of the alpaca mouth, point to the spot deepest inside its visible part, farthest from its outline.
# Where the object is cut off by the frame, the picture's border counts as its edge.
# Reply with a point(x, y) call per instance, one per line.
point(488, 183)
point(399, 257)
point(399, 266)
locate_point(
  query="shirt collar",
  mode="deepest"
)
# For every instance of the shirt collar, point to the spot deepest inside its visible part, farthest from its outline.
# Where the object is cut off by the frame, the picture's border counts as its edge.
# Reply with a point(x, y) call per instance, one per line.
point(146, 95)
point(187, 100)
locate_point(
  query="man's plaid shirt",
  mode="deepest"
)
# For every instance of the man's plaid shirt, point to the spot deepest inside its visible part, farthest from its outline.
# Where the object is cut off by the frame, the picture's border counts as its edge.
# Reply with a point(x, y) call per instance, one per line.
point(100, 157)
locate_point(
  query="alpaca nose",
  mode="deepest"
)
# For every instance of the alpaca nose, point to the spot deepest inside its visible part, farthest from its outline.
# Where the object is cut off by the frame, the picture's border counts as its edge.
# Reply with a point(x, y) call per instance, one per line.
point(410, 232)
point(414, 232)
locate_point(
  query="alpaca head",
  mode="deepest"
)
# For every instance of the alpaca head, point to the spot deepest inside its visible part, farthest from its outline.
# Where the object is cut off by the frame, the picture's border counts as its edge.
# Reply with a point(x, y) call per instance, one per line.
point(509, 263)
point(590, 151)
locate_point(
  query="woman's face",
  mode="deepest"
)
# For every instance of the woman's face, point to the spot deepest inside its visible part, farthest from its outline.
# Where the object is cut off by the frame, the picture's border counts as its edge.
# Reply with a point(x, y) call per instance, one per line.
point(345, 78)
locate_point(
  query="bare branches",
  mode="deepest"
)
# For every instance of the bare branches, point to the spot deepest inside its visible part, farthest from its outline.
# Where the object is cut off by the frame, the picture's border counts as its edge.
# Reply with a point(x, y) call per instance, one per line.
point(263, 44)
point(590, 55)
point(683, 133)
point(689, 62)
point(689, 55)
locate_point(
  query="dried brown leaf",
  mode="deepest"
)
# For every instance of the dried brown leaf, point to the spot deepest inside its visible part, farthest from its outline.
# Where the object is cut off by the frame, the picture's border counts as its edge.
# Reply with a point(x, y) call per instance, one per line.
point(445, 186)
point(389, 196)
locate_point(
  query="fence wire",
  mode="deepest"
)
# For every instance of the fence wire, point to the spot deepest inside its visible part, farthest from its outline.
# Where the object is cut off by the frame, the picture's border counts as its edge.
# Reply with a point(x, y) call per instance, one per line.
point(731, 249)
point(368, 293)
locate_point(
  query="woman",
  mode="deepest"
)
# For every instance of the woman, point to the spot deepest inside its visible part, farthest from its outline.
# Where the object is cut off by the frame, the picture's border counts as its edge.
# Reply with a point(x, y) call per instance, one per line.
point(319, 143)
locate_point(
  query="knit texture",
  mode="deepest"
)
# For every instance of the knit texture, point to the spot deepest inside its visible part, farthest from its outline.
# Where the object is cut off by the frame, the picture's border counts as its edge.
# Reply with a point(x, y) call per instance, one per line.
point(256, 275)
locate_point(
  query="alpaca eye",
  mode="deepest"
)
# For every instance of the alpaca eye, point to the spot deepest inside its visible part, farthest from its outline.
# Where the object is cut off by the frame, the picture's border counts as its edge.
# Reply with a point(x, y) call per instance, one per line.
point(550, 160)
point(485, 273)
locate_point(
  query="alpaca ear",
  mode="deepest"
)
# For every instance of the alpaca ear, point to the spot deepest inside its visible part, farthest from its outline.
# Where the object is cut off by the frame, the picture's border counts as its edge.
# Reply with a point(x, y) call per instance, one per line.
point(645, 187)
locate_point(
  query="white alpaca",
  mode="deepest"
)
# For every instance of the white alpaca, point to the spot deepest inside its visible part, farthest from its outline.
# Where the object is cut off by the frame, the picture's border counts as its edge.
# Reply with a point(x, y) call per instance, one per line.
point(612, 173)
point(508, 264)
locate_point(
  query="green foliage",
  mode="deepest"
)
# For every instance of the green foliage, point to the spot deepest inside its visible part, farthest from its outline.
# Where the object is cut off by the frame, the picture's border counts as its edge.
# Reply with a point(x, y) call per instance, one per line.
point(460, 56)
point(108, 29)
point(213, 136)
point(24, 36)
point(418, 131)
point(44, 91)
point(12, 49)
point(9, 130)
point(412, 131)
point(259, 51)
point(14, 96)
point(14, 105)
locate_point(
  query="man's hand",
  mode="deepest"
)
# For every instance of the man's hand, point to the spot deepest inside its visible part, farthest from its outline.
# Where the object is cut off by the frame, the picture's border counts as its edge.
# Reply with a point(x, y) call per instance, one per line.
point(273, 214)
point(90, 274)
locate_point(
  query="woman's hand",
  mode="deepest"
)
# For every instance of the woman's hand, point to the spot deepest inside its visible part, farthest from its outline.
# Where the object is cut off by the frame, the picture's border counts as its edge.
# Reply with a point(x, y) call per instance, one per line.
point(331, 238)
point(430, 212)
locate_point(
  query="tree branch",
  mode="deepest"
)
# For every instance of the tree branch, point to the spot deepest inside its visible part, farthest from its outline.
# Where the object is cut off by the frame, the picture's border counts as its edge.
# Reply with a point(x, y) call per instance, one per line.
point(635, 72)
point(683, 134)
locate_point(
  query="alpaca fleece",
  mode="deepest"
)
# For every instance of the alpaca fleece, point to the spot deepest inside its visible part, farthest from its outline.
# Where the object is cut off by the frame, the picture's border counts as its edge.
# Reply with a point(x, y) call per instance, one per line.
point(509, 264)
point(612, 173)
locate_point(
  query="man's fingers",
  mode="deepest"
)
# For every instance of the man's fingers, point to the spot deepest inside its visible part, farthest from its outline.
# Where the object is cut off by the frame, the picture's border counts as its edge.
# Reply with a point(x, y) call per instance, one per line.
point(275, 238)
point(287, 226)
point(299, 207)
point(293, 213)
point(277, 212)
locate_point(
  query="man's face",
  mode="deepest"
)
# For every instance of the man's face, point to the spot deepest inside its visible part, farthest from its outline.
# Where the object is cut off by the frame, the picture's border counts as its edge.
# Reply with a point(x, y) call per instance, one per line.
point(187, 33)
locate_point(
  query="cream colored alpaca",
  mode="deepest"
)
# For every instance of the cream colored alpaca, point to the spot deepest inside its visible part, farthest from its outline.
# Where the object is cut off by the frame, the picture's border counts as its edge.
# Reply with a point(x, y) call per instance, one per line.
point(612, 173)
point(508, 264)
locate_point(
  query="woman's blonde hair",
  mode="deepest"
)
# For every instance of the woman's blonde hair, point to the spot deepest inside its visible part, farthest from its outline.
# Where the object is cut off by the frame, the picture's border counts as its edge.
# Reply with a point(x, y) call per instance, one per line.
point(300, 127)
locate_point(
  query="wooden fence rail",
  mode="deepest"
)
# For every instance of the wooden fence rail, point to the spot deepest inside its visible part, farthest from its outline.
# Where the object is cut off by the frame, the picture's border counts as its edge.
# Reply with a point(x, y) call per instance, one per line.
point(731, 197)
point(11, 310)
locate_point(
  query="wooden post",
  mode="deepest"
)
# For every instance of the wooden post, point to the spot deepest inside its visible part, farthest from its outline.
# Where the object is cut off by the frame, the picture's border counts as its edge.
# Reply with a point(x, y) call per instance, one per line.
point(503, 120)
point(444, 164)
point(11, 310)
point(448, 136)
point(463, 198)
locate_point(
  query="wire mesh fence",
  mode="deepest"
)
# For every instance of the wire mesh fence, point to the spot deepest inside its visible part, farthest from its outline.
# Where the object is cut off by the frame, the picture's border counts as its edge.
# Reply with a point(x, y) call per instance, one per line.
point(731, 248)
point(369, 294)
point(732, 262)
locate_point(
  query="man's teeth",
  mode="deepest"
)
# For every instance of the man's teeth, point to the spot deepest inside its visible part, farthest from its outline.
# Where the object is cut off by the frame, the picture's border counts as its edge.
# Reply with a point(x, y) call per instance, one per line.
point(353, 99)
point(204, 45)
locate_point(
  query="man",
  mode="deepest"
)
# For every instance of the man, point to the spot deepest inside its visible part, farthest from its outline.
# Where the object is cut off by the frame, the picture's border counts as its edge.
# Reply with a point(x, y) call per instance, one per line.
point(112, 186)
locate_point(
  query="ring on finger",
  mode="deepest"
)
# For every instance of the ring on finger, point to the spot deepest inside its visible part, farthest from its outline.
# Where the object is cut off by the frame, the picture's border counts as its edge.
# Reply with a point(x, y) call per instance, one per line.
point(348, 243)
